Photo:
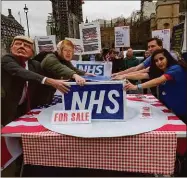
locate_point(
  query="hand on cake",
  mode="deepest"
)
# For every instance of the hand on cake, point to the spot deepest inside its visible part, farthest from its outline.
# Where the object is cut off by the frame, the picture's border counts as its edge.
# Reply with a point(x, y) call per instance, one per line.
point(60, 85)
point(90, 74)
point(118, 77)
point(79, 80)
point(114, 75)
point(130, 86)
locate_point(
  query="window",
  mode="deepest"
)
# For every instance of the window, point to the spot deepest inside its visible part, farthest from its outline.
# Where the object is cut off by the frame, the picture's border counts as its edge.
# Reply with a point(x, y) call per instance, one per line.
point(166, 25)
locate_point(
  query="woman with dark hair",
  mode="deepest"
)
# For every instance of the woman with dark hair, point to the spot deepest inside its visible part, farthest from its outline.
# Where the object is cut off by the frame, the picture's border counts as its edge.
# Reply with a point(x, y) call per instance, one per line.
point(171, 77)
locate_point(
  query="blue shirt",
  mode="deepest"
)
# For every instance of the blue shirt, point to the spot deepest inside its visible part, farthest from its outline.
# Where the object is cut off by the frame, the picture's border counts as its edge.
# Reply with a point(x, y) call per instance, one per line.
point(173, 93)
point(147, 62)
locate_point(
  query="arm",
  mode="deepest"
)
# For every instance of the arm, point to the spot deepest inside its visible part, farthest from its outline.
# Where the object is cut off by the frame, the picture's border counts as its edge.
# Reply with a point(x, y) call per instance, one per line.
point(137, 76)
point(78, 71)
point(149, 84)
point(13, 68)
point(140, 71)
point(132, 69)
point(52, 65)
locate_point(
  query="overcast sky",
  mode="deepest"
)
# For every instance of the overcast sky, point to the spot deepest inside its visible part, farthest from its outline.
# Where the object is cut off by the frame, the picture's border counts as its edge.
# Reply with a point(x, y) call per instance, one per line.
point(38, 12)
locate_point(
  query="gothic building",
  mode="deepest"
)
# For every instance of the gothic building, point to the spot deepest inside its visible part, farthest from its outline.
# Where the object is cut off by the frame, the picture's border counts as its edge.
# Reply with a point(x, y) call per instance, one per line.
point(9, 29)
point(67, 15)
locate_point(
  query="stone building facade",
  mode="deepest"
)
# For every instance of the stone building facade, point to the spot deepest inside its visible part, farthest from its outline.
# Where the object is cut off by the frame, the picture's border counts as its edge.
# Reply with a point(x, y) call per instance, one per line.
point(167, 15)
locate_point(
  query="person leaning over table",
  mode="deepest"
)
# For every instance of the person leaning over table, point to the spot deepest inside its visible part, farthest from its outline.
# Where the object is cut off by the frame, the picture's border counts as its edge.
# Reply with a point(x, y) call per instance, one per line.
point(171, 77)
point(21, 80)
point(58, 64)
point(153, 44)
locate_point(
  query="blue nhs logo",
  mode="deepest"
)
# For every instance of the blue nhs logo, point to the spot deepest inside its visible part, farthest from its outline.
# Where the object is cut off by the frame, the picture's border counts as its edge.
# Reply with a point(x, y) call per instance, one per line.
point(92, 68)
point(105, 100)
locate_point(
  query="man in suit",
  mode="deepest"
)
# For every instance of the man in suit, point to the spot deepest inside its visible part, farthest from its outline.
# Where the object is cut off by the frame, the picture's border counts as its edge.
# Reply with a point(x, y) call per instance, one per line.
point(22, 81)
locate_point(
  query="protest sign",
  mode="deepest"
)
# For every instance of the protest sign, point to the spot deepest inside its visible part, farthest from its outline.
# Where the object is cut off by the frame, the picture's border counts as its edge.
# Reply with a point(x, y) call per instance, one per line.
point(91, 37)
point(97, 68)
point(78, 46)
point(122, 36)
point(45, 43)
point(177, 37)
point(164, 35)
point(105, 100)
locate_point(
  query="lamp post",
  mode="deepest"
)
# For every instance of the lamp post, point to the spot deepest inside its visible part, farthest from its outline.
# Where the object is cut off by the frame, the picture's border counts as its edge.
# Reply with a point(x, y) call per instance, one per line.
point(26, 11)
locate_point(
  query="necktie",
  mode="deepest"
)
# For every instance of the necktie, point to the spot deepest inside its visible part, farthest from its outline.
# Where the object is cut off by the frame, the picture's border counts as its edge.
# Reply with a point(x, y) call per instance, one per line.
point(26, 88)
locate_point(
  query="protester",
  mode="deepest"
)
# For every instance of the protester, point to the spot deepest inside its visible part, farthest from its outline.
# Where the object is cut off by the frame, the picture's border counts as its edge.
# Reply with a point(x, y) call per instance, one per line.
point(153, 44)
point(22, 87)
point(130, 60)
point(171, 77)
point(117, 63)
point(58, 64)
point(146, 54)
point(17, 68)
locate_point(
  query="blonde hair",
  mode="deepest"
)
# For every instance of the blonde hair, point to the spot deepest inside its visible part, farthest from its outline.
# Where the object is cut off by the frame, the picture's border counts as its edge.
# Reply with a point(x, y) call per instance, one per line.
point(63, 43)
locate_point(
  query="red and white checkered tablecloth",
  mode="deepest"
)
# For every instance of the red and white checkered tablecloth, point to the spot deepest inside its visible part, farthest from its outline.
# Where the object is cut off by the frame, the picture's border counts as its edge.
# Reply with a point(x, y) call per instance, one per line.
point(152, 152)
point(105, 152)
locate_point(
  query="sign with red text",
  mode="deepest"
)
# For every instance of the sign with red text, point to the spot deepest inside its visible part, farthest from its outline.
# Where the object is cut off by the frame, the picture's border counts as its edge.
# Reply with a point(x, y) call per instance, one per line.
point(71, 117)
point(164, 35)
point(122, 36)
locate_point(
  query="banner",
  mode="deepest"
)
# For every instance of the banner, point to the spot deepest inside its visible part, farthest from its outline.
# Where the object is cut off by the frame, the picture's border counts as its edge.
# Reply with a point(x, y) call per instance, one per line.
point(78, 46)
point(105, 100)
point(45, 43)
point(97, 68)
point(164, 35)
point(177, 37)
point(122, 36)
point(91, 37)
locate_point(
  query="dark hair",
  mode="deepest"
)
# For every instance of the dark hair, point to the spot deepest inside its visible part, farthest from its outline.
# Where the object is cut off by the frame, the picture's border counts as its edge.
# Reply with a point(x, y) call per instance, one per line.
point(155, 72)
point(158, 41)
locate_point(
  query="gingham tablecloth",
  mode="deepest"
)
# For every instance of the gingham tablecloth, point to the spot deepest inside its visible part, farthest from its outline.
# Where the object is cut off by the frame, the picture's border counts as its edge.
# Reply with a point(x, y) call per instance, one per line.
point(152, 152)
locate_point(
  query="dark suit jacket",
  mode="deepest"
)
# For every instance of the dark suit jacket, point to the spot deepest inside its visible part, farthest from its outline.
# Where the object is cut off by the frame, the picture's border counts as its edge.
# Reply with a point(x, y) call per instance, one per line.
point(13, 79)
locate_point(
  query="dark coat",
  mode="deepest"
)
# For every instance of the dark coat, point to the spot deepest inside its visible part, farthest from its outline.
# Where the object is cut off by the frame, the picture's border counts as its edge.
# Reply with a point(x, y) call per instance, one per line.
point(13, 79)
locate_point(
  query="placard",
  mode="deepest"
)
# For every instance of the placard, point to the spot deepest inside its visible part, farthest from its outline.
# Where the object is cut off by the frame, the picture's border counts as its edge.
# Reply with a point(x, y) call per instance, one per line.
point(78, 46)
point(91, 37)
point(71, 117)
point(45, 43)
point(177, 37)
point(122, 36)
point(97, 68)
point(105, 100)
point(164, 35)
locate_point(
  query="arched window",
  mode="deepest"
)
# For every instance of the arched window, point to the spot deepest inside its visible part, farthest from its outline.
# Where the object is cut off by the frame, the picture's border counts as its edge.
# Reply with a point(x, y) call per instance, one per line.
point(166, 25)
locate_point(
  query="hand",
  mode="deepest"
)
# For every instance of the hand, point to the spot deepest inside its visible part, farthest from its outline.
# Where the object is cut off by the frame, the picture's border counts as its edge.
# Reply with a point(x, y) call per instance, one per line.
point(130, 86)
point(60, 85)
point(114, 74)
point(118, 77)
point(79, 80)
point(89, 74)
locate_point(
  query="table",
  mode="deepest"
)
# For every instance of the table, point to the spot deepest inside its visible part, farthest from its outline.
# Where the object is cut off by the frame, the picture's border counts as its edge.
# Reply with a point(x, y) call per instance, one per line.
point(152, 152)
